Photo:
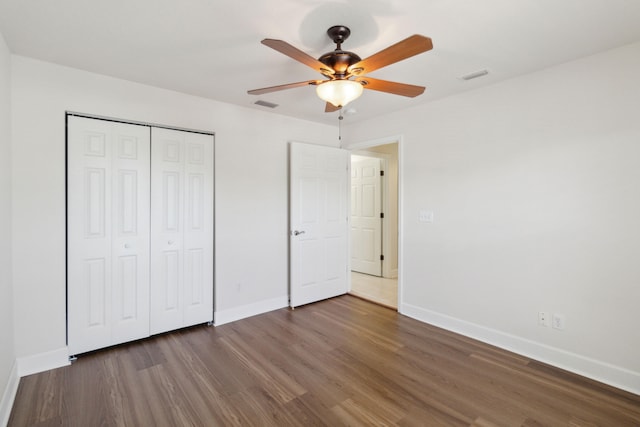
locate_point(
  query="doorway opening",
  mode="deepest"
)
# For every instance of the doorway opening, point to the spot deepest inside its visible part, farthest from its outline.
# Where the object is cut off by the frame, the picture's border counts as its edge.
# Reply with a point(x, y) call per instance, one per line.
point(374, 222)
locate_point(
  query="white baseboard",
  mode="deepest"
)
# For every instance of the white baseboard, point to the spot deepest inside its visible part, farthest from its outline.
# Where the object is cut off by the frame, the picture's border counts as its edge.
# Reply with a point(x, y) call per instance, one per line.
point(43, 362)
point(9, 395)
point(600, 371)
point(231, 315)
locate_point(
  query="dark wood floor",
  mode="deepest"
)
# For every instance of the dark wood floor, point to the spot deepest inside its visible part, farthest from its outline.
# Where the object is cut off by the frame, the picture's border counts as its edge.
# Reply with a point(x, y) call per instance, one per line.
point(338, 362)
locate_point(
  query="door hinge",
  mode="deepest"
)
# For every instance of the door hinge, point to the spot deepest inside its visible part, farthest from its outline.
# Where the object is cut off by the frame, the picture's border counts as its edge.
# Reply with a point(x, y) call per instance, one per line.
point(381, 257)
point(381, 173)
point(381, 214)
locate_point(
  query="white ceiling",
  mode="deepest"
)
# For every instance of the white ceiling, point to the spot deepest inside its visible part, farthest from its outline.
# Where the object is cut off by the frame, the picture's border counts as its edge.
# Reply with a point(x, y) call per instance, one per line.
point(211, 48)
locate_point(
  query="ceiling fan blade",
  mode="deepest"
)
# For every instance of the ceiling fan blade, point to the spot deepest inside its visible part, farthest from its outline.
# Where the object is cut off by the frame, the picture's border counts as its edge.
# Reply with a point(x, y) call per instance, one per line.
point(295, 53)
point(282, 87)
point(402, 50)
point(330, 108)
point(391, 87)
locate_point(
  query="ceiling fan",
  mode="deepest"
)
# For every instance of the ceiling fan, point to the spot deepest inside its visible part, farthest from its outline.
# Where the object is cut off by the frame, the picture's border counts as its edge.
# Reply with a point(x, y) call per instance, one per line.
point(344, 71)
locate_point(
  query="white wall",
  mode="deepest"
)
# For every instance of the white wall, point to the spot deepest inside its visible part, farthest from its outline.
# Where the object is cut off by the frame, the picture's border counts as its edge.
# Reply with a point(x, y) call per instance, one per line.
point(8, 375)
point(251, 189)
point(535, 186)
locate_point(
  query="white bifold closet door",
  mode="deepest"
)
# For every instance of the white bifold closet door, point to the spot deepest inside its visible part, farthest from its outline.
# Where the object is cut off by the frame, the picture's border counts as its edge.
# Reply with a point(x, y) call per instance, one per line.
point(107, 233)
point(139, 231)
point(181, 229)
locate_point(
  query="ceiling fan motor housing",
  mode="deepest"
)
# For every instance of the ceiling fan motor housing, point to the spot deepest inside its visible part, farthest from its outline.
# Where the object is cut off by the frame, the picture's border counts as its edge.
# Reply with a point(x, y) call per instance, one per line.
point(339, 60)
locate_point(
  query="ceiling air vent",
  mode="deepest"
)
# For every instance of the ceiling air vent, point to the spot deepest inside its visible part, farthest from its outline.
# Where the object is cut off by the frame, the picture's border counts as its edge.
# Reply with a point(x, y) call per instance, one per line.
point(266, 104)
point(474, 75)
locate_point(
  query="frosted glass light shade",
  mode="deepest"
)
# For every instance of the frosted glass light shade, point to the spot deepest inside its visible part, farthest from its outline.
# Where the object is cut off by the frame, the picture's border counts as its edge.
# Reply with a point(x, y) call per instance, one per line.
point(339, 92)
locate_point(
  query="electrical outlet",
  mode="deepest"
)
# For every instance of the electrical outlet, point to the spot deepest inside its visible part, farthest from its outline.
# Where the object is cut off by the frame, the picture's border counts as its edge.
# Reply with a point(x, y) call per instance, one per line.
point(558, 321)
point(543, 318)
point(425, 216)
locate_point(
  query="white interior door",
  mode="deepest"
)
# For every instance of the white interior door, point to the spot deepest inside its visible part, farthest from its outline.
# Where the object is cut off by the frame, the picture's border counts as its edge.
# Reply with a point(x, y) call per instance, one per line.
point(366, 221)
point(181, 229)
point(318, 222)
point(107, 233)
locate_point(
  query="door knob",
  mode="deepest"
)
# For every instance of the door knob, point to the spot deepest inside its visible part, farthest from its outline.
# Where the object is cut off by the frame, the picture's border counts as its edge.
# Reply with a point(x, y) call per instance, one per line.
point(296, 232)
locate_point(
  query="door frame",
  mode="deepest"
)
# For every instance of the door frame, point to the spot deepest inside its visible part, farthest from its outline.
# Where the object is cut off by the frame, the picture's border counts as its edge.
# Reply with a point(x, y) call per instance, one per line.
point(362, 146)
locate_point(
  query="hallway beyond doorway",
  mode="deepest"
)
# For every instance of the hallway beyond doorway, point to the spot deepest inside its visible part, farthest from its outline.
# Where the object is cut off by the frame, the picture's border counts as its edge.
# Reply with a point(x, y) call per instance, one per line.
point(380, 290)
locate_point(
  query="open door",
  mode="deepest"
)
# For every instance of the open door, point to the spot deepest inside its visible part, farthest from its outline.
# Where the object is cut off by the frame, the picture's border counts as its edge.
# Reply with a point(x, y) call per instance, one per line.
point(318, 222)
point(366, 216)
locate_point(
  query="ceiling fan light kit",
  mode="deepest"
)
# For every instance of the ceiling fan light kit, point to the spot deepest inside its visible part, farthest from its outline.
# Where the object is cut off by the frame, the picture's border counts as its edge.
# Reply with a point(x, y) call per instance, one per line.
point(339, 92)
point(339, 67)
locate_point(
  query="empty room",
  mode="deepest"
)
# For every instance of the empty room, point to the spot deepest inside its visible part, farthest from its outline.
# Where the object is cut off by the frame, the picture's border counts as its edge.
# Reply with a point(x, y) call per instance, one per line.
point(200, 203)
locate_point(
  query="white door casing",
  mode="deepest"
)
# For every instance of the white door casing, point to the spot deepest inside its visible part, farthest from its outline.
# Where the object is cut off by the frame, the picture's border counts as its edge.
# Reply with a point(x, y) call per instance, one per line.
point(366, 221)
point(107, 233)
point(181, 229)
point(318, 188)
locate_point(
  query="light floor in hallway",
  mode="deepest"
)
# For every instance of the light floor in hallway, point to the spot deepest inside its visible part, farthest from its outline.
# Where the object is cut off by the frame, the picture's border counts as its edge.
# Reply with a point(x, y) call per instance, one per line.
point(376, 289)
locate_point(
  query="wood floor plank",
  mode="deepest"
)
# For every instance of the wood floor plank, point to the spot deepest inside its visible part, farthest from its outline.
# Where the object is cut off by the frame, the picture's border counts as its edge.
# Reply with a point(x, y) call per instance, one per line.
point(310, 410)
point(343, 361)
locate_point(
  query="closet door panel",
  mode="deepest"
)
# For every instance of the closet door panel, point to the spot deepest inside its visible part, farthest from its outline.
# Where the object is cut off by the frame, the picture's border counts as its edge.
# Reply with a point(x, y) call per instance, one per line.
point(182, 229)
point(198, 229)
point(130, 229)
point(107, 233)
point(88, 235)
point(167, 205)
